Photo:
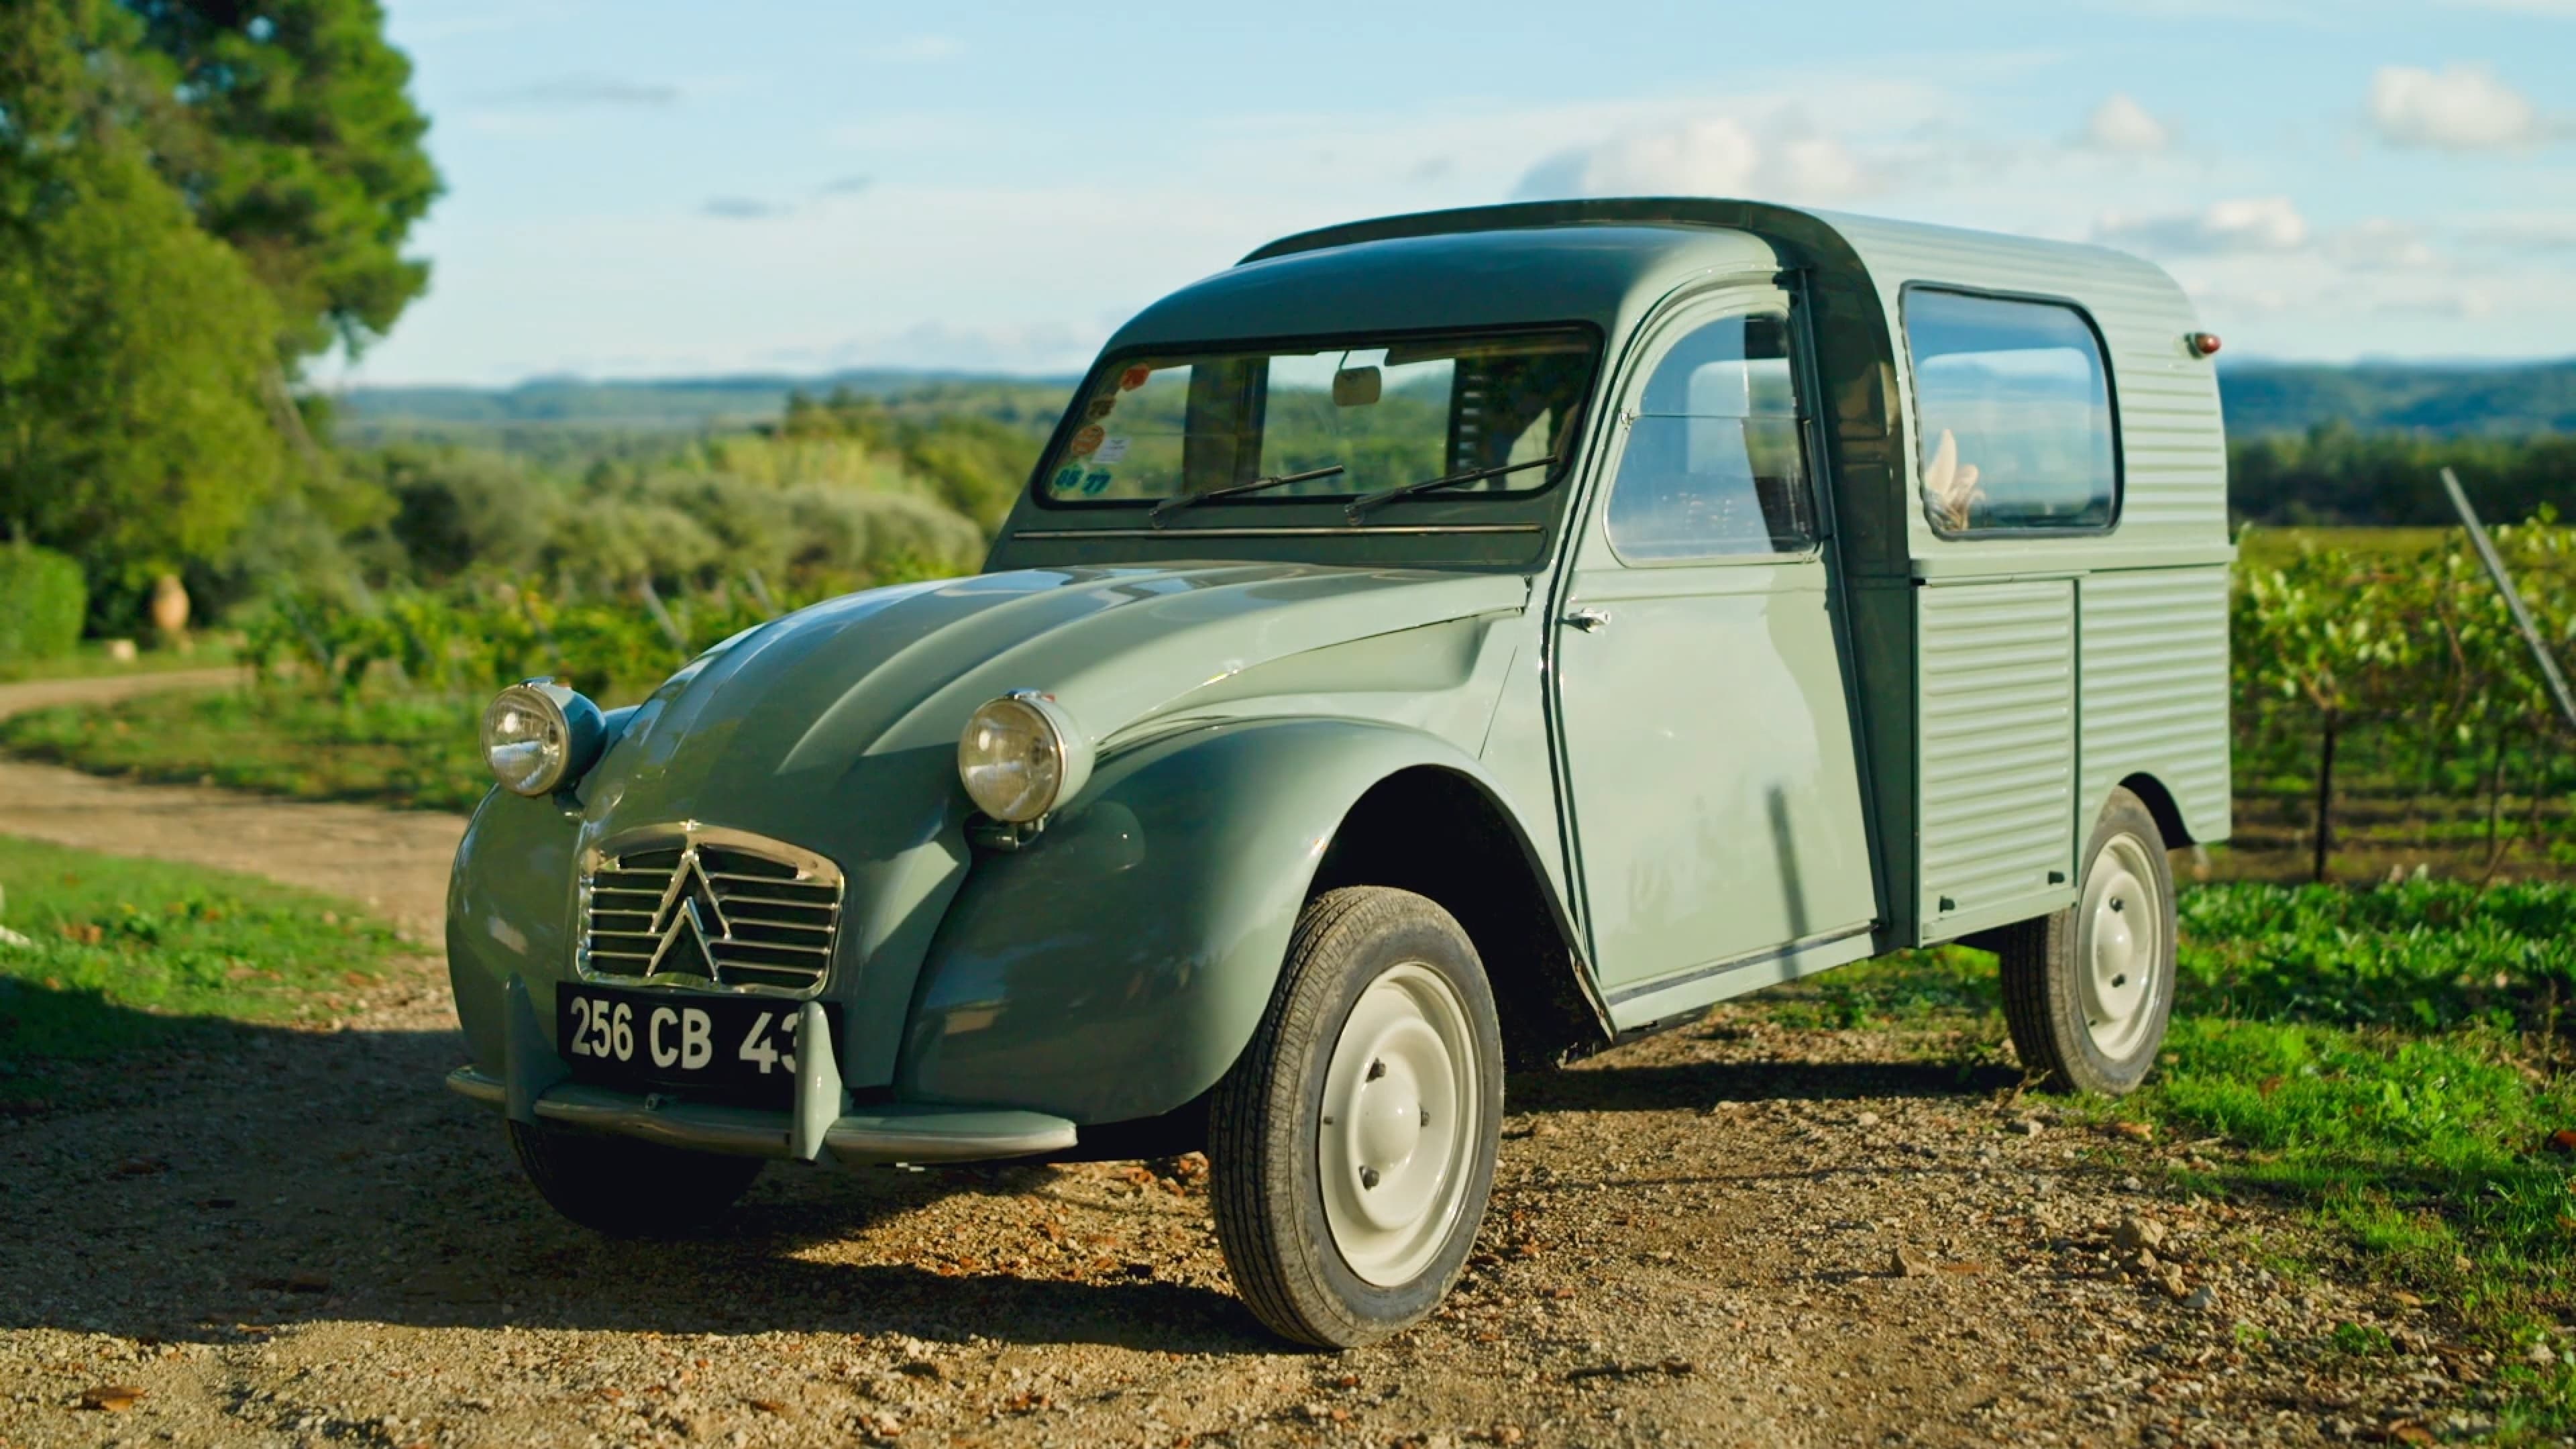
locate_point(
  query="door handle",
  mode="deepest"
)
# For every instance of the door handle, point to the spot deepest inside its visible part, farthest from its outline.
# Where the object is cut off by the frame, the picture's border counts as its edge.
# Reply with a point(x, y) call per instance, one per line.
point(1590, 621)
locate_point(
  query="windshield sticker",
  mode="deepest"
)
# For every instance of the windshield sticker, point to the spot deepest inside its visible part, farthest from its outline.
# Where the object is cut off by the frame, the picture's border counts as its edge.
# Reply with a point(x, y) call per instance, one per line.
point(1101, 407)
point(1068, 479)
point(1112, 450)
point(1134, 377)
point(1087, 441)
point(1098, 482)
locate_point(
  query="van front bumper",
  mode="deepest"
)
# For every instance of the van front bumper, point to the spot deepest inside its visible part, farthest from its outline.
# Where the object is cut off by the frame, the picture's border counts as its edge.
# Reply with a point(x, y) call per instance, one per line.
point(536, 1086)
point(923, 1135)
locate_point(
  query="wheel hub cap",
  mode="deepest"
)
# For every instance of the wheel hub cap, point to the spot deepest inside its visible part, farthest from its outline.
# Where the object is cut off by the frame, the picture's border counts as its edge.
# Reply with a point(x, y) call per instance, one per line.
point(1398, 1094)
point(2121, 949)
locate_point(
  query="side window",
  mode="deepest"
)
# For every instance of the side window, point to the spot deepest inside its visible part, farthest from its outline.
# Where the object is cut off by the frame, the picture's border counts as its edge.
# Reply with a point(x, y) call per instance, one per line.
point(2012, 410)
point(1715, 465)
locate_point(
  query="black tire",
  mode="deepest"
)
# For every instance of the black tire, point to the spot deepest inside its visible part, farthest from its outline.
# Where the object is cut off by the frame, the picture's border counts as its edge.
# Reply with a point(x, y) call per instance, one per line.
point(626, 1188)
point(2075, 1030)
point(1267, 1121)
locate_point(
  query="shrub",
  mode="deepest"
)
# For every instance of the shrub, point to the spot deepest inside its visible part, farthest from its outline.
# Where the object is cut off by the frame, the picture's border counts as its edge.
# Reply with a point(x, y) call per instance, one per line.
point(43, 599)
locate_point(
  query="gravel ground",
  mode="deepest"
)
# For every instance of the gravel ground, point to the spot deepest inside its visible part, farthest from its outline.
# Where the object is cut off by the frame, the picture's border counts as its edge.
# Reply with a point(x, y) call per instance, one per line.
point(1732, 1234)
point(1735, 1233)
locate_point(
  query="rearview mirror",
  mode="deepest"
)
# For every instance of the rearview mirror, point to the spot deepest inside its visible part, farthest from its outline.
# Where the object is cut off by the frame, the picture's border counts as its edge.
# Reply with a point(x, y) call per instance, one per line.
point(1356, 387)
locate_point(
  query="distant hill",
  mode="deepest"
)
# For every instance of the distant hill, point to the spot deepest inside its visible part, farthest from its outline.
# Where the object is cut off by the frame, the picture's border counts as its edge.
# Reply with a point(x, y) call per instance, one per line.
point(2444, 401)
point(574, 405)
point(2262, 398)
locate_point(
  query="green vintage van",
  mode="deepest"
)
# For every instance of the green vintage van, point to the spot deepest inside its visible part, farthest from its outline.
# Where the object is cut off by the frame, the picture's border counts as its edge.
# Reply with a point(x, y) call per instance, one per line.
point(1433, 647)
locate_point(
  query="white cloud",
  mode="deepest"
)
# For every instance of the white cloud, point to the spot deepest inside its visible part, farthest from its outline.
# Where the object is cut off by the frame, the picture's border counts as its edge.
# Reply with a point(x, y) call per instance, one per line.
point(459, 22)
point(1709, 155)
point(919, 49)
point(2121, 124)
point(2244, 225)
point(2382, 245)
point(2459, 108)
point(741, 208)
point(2276, 12)
point(1001, 347)
point(2534, 232)
point(2554, 9)
point(586, 89)
point(2456, 303)
point(2216, 303)
point(966, 281)
point(1822, 168)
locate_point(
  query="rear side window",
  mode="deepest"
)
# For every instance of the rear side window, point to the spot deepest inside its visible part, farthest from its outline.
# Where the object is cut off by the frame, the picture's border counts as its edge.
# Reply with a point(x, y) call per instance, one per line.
point(2012, 409)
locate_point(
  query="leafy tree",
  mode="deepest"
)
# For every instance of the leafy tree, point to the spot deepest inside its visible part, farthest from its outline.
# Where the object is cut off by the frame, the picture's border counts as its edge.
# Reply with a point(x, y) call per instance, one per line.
point(975, 464)
point(287, 125)
point(137, 376)
point(2335, 475)
point(42, 598)
point(193, 193)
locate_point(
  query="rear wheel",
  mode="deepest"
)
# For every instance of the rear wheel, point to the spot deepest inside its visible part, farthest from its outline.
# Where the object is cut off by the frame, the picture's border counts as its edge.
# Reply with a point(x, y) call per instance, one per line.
point(626, 1188)
point(1352, 1148)
point(2088, 991)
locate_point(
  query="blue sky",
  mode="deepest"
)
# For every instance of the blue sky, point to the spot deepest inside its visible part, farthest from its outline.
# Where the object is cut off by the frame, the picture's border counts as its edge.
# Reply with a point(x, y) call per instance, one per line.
point(645, 188)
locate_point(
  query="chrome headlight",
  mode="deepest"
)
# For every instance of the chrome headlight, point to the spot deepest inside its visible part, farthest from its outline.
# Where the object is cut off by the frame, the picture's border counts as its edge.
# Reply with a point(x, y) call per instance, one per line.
point(1020, 756)
point(539, 736)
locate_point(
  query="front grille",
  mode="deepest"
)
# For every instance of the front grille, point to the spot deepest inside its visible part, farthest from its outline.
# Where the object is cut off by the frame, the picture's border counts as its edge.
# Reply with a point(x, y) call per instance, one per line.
point(697, 906)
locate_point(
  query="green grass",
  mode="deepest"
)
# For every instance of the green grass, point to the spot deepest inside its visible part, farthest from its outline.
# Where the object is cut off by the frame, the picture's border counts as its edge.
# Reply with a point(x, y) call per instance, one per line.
point(2387, 1061)
point(128, 956)
point(398, 749)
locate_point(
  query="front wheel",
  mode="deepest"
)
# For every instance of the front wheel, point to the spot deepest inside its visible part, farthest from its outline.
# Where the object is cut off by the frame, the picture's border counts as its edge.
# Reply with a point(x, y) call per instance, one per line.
point(2088, 991)
point(626, 1188)
point(1352, 1148)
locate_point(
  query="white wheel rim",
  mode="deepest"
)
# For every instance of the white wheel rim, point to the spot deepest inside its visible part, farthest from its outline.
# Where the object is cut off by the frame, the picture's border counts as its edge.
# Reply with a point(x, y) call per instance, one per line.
point(1400, 1115)
point(2120, 948)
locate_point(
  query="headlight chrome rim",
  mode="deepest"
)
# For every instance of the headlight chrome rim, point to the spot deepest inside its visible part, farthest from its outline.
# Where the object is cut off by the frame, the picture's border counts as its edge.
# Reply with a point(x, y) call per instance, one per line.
point(1061, 763)
point(553, 734)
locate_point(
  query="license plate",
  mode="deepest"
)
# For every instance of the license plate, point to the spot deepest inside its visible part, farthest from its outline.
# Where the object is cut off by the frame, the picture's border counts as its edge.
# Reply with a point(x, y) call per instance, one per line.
point(722, 1045)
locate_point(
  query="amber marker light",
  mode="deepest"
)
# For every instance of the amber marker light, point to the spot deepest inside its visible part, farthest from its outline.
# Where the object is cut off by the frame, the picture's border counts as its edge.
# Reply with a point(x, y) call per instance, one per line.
point(2202, 344)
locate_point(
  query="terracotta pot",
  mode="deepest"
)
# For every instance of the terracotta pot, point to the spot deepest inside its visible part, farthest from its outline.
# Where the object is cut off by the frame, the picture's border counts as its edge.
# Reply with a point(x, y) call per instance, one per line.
point(170, 607)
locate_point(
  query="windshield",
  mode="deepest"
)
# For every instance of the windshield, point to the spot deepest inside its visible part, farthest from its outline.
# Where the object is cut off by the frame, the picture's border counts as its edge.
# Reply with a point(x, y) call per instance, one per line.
point(1385, 412)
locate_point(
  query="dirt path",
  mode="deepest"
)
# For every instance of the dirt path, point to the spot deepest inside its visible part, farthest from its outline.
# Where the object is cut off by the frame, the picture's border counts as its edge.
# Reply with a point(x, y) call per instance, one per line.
point(393, 861)
point(1731, 1234)
point(26, 694)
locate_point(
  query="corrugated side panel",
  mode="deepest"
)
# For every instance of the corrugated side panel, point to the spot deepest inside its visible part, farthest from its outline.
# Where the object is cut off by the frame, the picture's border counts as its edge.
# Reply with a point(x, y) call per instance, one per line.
point(2155, 688)
point(2173, 451)
point(1997, 745)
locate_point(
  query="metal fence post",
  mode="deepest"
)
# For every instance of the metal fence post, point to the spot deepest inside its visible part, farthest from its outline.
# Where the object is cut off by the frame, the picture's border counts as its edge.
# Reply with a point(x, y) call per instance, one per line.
point(2512, 598)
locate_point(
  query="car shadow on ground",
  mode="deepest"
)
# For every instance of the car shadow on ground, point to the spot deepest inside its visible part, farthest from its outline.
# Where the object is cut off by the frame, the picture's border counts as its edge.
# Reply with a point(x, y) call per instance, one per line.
point(223, 1174)
point(1676, 1086)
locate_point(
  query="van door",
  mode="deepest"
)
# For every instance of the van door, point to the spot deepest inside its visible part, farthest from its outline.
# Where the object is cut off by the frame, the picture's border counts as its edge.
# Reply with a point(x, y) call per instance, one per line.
point(1713, 789)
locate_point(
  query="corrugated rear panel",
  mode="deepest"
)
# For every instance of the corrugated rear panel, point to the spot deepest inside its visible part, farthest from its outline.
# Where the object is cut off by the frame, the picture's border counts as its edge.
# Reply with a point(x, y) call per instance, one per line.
point(1996, 748)
point(2155, 688)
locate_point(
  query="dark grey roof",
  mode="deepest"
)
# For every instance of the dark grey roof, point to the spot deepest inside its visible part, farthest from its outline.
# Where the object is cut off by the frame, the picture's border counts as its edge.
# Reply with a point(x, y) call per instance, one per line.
point(1483, 277)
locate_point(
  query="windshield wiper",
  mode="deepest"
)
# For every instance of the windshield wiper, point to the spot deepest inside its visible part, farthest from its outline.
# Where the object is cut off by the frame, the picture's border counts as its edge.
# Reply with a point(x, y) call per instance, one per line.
point(1179, 501)
point(1358, 506)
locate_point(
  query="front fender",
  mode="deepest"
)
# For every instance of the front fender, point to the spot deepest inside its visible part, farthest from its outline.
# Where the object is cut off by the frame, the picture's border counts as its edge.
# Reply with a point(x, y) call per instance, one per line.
point(509, 912)
point(1115, 967)
point(509, 899)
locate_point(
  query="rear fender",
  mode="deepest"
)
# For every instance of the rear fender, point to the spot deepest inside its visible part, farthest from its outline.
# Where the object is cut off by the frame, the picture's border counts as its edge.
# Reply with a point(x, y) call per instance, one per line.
point(1115, 967)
